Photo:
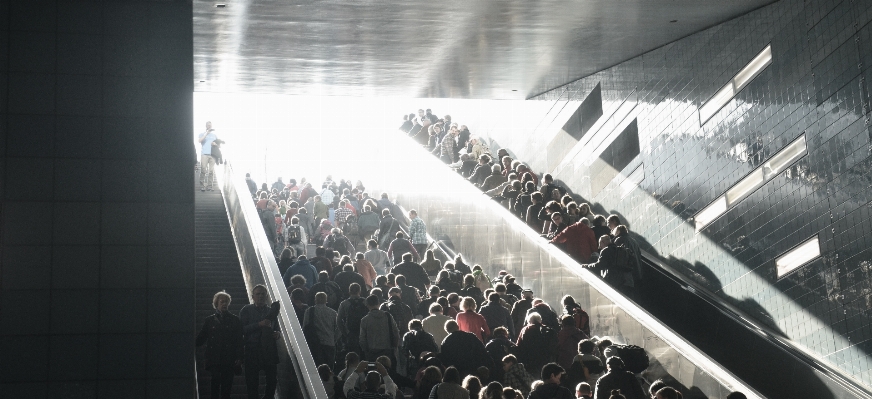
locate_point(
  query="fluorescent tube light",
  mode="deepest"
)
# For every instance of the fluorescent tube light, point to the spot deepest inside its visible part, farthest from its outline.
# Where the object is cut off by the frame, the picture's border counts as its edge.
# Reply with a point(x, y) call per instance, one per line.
point(747, 185)
point(632, 181)
point(710, 213)
point(750, 71)
point(785, 157)
point(716, 103)
point(798, 256)
point(736, 84)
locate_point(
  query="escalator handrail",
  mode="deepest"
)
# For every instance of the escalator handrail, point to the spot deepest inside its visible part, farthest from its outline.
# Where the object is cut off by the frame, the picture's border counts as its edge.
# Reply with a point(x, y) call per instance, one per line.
point(291, 331)
point(742, 318)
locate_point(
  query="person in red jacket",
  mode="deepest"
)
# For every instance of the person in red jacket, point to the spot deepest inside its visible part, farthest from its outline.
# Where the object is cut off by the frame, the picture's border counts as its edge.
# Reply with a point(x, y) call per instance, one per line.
point(472, 322)
point(577, 240)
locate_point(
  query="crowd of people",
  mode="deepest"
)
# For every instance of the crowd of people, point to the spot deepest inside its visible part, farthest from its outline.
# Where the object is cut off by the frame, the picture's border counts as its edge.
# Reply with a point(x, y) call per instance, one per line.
point(383, 317)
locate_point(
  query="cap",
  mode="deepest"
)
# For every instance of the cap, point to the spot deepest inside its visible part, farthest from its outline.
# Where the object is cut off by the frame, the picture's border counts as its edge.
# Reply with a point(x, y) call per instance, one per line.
point(502, 272)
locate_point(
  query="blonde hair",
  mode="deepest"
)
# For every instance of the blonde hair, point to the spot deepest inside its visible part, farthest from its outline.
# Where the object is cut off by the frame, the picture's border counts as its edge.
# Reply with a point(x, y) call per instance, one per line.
point(468, 303)
point(218, 295)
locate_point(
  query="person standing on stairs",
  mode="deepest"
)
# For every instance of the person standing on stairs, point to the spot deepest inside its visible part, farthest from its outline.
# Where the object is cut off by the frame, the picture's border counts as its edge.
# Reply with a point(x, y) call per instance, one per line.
point(207, 163)
point(222, 334)
point(261, 352)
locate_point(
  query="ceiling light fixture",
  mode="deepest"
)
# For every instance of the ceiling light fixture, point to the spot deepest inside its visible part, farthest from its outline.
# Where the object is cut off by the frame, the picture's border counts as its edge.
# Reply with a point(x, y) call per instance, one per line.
point(798, 256)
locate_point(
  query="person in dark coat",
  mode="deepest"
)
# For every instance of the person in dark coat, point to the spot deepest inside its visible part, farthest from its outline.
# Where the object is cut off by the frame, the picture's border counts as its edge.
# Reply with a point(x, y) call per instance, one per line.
point(222, 334)
point(549, 318)
point(618, 378)
point(387, 228)
point(348, 276)
point(536, 344)
point(551, 389)
point(303, 268)
point(415, 274)
point(260, 328)
point(599, 227)
point(463, 350)
point(520, 308)
point(613, 273)
point(578, 241)
point(499, 347)
point(497, 315)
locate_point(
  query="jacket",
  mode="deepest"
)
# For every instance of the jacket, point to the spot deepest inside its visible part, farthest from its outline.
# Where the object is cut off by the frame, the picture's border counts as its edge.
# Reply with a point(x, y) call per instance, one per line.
point(368, 221)
point(415, 275)
point(303, 268)
point(222, 334)
point(470, 321)
point(376, 330)
point(551, 391)
point(465, 351)
point(578, 241)
point(618, 379)
point(497, 315)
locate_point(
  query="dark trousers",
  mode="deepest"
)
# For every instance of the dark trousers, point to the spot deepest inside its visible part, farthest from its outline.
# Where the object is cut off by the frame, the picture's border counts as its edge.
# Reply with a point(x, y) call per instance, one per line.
point(253, 366)
point(222, 381)
point(324, 355)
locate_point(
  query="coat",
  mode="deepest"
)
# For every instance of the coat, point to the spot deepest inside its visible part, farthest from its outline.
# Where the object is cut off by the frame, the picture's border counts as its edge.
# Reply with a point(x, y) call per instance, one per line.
point(223, 338)
point(464, 351)
point(578, 241)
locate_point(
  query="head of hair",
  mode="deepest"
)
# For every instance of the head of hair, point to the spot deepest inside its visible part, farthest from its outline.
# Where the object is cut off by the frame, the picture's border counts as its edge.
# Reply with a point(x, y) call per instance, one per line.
point(567, 321)
point(407, 257)
point(736, 395)
point(468, 280)
point(510, 359)
point(348, 268)
point(451, 326)
point(551, 369)
point(534, 318)
point(614, 219)
point(385, 361)
point(298, 295)
point(494, 297)
point(372, 301)
point(395, 291)
point(386, 212)
point(298, 279)
point(668, 393)
point(372, 244)
point(286, 254)
point(373, 380)
point(218, 295)
point(324, 372)
point(453, 298)
point(472, 384)
point(620, 230)
point(615, 362)
point(500, 288)
point(432, 375)
point(510, 393)
point(616, 394)
point(501, 332)
point(586, 346)
point(352, 358)
point(320, 298)
point(494, 390)
point(435, 308)
point(599, 220)
point(451, 375)
point(583, 388)
point(468, 303)
point(391, 278)
point(354, 289)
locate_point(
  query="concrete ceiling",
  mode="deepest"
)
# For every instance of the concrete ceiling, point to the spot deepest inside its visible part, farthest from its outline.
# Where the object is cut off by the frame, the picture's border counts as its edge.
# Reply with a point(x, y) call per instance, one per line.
point(497, 49)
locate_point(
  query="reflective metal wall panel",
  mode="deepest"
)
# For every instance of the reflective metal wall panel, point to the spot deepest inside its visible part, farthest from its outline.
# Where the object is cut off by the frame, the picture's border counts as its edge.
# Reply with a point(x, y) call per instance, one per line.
point(818, 85)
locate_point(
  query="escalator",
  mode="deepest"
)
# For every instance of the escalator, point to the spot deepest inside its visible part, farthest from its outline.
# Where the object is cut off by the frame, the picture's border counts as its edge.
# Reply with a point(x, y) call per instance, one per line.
point(216, 268)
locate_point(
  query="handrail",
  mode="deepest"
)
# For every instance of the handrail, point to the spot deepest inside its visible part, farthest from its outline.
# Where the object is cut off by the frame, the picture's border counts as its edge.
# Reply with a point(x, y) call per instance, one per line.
point(739, 316)
point(259, 266)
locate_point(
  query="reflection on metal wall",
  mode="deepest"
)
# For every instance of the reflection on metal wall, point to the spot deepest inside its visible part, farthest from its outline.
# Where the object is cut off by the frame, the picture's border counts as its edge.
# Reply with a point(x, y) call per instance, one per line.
point(818, 85)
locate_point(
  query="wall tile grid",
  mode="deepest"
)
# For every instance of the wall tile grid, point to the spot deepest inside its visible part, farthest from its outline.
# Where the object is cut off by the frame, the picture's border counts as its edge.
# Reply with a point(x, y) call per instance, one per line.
point(819, 85)
point(96, 296)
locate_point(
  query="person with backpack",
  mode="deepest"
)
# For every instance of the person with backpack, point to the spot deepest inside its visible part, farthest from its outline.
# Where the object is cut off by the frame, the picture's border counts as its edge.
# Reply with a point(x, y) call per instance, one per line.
point(567, 341)
point(296, 237)
point(387, 228)
point(482, 281)
point(586, 366)
point(463, 349)
point(338, 242)
point(400, 312)
point(614, 266)
point(623, 239)
point(367, 222)
point(415, 274)
point(351, 312)
point(497, 315)
point(378, 258)
point(379, 335)
point(416, 341)
point(582, 320)
point(536, 343)
point(330, 288)
point(471, 290)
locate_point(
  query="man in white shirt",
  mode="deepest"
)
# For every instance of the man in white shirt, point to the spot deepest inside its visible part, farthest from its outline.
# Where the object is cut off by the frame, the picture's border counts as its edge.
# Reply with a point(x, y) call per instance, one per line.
point(207, 163)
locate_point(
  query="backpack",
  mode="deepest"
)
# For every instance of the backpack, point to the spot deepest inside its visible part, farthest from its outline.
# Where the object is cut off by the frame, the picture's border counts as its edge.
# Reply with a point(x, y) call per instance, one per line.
point(401, 313)
point(582, 320)
point(482, 281)
point(356, 311)
point(295, 236)
point(335, 245)
point(333, 298)
point(635, 359)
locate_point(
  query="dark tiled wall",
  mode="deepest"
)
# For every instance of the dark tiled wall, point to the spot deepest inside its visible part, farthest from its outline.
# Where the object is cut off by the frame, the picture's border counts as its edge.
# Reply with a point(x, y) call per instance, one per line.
point(818, 85)
point(97, 201)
